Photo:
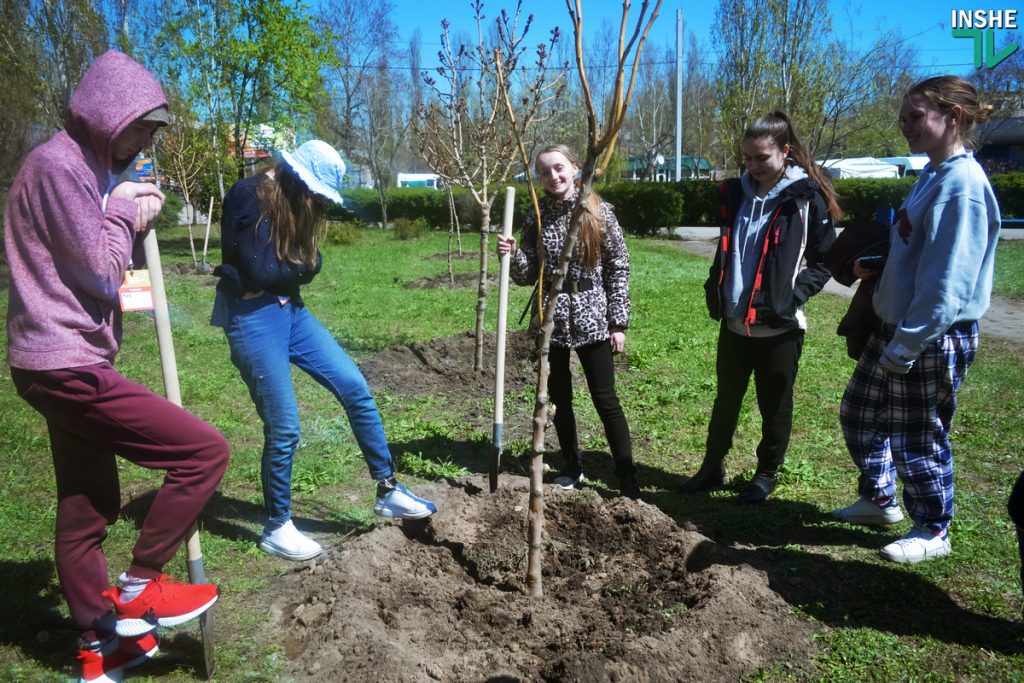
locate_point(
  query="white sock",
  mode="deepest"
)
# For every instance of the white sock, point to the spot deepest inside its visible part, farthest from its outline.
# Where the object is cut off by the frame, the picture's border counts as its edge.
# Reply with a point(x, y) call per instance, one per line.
point(131, 587)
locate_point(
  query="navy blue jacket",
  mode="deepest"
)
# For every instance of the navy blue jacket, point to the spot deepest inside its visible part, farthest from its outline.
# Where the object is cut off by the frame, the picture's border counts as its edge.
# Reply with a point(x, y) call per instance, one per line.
point(249, 259)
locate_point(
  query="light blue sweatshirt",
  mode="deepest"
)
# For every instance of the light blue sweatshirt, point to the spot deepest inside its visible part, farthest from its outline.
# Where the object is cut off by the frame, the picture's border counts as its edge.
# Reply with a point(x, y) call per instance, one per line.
point(941, 257)
point(748, 234)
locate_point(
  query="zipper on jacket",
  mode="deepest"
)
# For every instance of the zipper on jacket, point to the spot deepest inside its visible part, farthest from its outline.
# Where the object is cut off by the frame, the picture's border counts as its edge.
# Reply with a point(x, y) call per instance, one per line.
point(751, 317)
point(725, 253)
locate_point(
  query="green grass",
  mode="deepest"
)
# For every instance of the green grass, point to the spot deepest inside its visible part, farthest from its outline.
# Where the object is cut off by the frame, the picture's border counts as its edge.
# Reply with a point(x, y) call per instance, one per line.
point(1009, 277)
point(946, 620)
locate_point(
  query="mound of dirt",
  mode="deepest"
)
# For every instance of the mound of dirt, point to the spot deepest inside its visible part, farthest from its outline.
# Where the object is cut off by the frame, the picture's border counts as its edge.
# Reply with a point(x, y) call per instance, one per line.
point(629, 596)
point(456, 281)
point(444, 367)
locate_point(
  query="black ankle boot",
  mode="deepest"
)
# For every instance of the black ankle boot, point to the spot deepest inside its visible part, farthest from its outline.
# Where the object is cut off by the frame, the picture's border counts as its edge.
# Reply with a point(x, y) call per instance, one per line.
point(629, 488)
point(759, 488)
point(709, 476)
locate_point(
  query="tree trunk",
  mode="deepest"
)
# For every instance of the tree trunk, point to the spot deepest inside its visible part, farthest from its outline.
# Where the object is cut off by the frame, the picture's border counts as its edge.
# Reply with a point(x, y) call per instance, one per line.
point(481, 291)
point(453, 225)
point(542, 408)
point(382, 195)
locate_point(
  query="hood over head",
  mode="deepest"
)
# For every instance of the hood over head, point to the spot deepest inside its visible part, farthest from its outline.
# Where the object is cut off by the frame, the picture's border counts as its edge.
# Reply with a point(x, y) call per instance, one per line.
point(114, 92)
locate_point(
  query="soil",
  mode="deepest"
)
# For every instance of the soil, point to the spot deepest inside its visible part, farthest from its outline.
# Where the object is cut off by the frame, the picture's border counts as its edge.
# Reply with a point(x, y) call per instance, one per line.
point(444, 367)
point(629, 595)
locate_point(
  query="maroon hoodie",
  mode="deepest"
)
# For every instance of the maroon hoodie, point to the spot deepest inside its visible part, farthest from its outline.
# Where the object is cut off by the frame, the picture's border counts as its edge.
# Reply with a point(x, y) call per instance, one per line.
point(67, 248)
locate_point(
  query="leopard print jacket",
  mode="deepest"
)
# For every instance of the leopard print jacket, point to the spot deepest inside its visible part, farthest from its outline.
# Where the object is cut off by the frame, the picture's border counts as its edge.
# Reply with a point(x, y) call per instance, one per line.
point(581, 318)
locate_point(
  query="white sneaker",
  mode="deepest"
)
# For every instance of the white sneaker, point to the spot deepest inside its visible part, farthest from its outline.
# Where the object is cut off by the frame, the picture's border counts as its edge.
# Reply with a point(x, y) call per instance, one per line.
point(867, 512)
point(919, 545)
point(288, 542)
point(396, 501)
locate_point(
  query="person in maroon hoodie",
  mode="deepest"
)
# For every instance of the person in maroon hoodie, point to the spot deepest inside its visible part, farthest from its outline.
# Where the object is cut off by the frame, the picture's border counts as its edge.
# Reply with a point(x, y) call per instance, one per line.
point(70, 233)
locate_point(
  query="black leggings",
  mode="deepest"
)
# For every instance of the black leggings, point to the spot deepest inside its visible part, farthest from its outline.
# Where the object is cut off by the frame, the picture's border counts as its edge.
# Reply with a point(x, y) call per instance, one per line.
point(599, 370)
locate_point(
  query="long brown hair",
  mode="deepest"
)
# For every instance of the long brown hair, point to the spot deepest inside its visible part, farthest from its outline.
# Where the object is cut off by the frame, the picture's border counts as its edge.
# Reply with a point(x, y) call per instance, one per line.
point(778, 127)
point(297, 218)
point(591, 233)
point(945, 92)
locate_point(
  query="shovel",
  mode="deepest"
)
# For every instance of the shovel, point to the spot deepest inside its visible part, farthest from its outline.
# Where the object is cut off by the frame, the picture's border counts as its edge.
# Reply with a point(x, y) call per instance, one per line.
point(499, 370)
point(194, 553)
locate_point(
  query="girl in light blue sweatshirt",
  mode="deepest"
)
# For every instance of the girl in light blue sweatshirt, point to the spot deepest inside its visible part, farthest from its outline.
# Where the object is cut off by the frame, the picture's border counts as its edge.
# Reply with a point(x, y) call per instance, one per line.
point(898, 408)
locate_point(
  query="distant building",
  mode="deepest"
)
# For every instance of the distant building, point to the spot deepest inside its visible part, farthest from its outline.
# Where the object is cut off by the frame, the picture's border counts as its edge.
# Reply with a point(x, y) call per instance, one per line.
point(1001, 144)
point(431, 180)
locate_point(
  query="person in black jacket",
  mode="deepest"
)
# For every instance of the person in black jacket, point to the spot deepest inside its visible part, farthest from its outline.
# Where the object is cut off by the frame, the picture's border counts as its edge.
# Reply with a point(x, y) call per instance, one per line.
point(1015, 506)
point(776, 216)
point(271, 228)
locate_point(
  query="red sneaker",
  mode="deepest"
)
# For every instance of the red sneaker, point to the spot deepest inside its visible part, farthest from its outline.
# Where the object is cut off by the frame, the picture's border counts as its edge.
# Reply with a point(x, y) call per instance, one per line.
point(162, 603)
point(108, 667)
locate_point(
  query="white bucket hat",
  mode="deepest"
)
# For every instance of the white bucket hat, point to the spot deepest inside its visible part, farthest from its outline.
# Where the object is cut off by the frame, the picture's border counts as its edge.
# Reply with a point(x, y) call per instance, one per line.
point(319, 166)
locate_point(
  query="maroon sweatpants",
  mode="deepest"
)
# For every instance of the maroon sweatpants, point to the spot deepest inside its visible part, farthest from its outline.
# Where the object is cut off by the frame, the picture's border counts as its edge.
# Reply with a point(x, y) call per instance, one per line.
point(93, 412)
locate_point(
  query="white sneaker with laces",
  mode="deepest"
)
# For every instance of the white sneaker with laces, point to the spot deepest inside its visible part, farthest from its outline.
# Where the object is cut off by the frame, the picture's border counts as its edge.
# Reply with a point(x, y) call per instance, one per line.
point(870, 513)
point(396, 501)
point(288, 542)
point(919, 545)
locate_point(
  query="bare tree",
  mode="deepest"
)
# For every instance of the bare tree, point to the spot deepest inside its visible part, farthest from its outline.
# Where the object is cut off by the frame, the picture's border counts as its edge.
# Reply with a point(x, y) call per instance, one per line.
point(383, 127)
point(465, 134)
point(184, 153)
point(651, 126)
point(601, 141)
point(360, 31)
point(743, 63)
point(700, 134)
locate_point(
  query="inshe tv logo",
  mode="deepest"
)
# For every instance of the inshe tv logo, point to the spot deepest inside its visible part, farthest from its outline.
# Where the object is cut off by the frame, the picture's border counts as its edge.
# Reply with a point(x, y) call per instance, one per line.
point(980, 24)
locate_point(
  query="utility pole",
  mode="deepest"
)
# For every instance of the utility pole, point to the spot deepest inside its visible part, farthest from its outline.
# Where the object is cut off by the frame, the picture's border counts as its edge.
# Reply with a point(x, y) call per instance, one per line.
point(679, 93)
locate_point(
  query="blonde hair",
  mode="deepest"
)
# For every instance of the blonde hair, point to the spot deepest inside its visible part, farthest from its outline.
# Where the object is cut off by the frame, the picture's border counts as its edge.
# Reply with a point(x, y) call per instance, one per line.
point(945, 92)
point(297, 218)
point(591, 235)
point(777, 126)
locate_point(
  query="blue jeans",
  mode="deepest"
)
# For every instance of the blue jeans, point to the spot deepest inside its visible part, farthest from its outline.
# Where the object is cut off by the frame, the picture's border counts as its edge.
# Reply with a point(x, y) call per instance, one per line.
point(265, 338)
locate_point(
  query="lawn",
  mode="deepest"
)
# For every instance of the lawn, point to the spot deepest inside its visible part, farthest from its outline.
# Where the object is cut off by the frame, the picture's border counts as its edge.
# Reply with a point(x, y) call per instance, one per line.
point(947, 620)
point(1009, 277)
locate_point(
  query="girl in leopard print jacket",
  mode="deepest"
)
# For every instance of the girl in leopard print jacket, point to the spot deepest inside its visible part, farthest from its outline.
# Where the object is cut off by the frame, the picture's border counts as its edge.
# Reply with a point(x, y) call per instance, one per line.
point(591, 312)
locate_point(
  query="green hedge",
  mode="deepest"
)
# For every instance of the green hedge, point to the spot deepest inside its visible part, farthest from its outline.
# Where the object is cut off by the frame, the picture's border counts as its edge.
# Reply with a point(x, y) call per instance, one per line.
point(644, 208)
point(1009, 189)
point(859, 197)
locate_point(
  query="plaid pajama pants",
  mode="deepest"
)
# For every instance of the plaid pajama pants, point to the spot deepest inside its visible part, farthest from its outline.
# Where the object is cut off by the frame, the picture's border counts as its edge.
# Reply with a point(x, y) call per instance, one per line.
point(899, 424)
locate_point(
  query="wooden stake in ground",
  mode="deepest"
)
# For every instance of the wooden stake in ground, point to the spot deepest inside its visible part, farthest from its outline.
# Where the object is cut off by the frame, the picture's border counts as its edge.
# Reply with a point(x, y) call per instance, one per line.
point(206, 240)
point(191, 243)
point(169, 367)
point(499, 366)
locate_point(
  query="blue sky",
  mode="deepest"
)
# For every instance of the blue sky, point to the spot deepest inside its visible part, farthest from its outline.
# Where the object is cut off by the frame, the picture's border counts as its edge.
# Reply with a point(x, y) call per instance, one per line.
point(925, 23)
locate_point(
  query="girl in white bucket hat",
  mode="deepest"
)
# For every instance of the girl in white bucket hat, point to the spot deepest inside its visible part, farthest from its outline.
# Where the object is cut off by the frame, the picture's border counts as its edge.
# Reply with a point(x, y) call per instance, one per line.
point(272, 226)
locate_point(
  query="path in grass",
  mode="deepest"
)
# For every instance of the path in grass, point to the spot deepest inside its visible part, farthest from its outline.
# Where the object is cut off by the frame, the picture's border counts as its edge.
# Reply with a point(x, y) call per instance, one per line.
point(1004, 318)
